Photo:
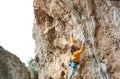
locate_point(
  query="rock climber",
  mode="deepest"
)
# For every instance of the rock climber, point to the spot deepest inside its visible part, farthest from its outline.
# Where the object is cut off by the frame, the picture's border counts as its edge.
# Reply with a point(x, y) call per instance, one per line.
point(75, 56)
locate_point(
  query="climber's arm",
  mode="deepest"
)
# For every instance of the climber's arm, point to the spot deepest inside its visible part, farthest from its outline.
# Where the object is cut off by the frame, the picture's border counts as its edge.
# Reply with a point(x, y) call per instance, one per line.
point(82, 48)
point(72, 41)
point(79, 52)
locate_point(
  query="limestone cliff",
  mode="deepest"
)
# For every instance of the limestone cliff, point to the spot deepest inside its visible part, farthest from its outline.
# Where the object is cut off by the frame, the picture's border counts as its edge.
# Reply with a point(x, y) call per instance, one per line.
point(11, 67)
point(95, 21)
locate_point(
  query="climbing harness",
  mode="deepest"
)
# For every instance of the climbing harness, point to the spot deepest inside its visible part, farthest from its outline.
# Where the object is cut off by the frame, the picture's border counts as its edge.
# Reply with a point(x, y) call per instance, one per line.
point(74, 65)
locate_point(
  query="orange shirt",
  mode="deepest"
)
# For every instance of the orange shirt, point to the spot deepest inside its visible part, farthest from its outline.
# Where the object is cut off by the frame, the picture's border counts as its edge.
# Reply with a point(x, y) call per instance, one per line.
point(76, 54)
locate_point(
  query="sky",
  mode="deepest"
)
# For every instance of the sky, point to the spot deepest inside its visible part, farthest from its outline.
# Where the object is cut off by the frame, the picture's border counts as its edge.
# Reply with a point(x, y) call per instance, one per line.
point(16, 23)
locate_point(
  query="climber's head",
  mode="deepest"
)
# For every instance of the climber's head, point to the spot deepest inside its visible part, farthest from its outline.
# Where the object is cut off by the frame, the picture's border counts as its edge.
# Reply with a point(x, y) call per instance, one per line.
point(74, 48)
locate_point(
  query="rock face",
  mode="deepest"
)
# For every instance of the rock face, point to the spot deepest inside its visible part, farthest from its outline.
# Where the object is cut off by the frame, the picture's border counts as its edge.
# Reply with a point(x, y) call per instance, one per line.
point(95, 21)
point(11, 67)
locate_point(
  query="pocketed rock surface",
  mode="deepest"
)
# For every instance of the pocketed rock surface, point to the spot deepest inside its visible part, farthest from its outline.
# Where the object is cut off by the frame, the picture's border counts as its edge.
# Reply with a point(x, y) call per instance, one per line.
point(97, 22)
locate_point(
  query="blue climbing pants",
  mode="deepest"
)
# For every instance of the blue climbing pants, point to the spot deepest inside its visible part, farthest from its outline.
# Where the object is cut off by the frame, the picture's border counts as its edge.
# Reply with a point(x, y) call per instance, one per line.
point(74, 67)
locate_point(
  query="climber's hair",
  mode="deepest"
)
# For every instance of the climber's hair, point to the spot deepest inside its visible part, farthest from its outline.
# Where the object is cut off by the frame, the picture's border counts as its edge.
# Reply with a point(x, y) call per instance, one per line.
point(74, 48)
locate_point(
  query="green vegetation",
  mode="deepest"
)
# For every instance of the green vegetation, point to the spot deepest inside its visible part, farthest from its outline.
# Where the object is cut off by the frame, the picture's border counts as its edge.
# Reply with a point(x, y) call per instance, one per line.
point(33, 68)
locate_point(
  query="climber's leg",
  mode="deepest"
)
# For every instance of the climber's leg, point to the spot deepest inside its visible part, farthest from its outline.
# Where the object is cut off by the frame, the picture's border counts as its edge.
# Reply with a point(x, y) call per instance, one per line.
point(72, 73)
point(74, 67)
